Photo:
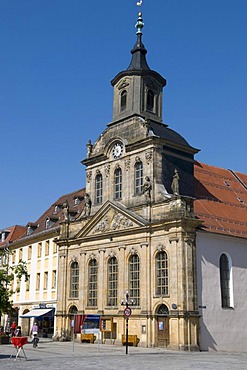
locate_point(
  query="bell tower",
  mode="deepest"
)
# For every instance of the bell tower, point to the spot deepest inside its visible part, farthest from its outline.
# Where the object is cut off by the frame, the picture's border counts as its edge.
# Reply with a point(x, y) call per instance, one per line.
point(138, 89)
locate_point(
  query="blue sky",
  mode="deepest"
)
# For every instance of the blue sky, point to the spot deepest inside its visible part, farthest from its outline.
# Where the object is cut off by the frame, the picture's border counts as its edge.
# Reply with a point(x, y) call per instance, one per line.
point(56, 63)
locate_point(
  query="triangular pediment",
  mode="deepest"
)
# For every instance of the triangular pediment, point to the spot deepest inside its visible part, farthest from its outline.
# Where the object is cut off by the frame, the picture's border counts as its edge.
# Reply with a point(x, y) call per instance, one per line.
point(111, 217)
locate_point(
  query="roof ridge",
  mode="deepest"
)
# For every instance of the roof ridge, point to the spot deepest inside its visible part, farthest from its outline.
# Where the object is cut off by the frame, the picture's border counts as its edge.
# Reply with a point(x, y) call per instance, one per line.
point(221, 168)
point(238, 179)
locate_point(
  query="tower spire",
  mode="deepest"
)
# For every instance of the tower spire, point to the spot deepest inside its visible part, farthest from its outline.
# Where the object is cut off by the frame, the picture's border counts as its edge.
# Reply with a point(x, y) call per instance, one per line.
point(138, 89)
point(138, 61)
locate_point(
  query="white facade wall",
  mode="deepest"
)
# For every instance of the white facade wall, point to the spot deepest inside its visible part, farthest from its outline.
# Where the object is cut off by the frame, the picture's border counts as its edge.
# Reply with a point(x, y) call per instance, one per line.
point(45, 262)
point(222, 329)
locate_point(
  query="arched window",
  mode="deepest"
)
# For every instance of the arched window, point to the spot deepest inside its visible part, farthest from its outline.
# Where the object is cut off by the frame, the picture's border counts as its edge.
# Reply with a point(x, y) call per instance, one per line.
point(161, 274)
point(225, 281)
point(98, 189)
point(123, 100)
point(150, 100)
point(74, 280)
point(73, 310)
point(134, 278)
point(118, 183)
point(112, 294)
point(162, 310)
point(138, 178)
point(92, 283)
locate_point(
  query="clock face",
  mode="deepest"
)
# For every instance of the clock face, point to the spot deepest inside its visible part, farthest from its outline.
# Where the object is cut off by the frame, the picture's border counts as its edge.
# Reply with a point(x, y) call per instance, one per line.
point(117, 150)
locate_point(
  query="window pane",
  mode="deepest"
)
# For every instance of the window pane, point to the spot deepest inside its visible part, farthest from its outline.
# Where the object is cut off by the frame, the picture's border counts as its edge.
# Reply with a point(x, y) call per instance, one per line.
point(112, 282)
point(98, 189)
point(123, 100)
point(92, 283)
point(118, 183)
point(225, 281)
point(138, 178)
point(161, 274)
point(150, 100)
point(74, 280)
point(134, 279)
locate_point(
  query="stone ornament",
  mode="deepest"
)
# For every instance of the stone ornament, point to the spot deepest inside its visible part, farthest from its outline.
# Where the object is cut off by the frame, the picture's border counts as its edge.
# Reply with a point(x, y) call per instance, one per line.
point(89, 148)
point(137, 159)
point(117, 222)
point(175, 183)
point(89, 176)
point(147, 187)
point(87, 207)
point(160, 247)
point(112, 254)
point(133, 251)
point(148, 156)
point(74, 259)
point(124, 83)
point(66, 211)
point(107, 170)
point(127, 164)
point(92, 256)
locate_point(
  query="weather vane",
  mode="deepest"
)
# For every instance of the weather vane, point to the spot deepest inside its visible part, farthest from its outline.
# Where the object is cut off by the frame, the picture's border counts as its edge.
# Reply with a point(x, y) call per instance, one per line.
point(139, 25)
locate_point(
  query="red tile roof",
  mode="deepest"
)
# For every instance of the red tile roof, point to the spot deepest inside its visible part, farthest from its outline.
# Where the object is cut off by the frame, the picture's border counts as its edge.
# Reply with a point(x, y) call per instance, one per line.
point(12, 234)
point(56, 215)
point(221, 200)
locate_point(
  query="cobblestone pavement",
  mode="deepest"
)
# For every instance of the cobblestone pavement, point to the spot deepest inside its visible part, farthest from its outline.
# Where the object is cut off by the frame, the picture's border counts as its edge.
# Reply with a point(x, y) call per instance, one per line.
point(66, 355)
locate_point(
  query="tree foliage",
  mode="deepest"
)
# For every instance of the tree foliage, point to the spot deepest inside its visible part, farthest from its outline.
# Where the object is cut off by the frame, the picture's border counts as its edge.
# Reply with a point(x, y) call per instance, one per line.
point(7, 275)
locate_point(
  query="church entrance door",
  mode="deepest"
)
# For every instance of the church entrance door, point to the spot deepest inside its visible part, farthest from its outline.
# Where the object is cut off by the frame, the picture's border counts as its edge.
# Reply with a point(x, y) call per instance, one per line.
point(162, 326)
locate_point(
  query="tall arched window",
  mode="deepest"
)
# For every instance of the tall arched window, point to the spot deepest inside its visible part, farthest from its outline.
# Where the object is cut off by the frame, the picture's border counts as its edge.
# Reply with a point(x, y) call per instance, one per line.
point(134, 278)
point(118, 183)
point(98, 189)
point(161, 274)
point(138, 178)
point(112, 293)
point(74, 280)
point(150, 100)
point(225, 281)
point(123, 100)
point(92, 283)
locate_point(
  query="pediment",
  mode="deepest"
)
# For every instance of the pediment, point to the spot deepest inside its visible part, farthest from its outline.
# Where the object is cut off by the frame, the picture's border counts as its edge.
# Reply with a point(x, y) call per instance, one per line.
point(111, 218)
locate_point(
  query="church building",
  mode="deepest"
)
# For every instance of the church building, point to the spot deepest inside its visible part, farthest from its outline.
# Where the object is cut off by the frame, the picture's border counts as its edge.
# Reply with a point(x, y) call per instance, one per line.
point(137, 231)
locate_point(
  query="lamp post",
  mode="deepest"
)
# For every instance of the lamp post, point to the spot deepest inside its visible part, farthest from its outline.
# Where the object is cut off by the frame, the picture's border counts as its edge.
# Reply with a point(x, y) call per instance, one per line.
point(127, 314)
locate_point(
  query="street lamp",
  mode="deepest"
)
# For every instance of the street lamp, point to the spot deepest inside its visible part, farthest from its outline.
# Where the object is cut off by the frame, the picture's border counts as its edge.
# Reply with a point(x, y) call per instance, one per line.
point(127, 314)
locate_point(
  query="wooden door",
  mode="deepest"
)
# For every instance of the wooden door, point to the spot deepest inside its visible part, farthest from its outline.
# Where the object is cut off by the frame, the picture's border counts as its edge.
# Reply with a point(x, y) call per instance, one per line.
point(163, 331)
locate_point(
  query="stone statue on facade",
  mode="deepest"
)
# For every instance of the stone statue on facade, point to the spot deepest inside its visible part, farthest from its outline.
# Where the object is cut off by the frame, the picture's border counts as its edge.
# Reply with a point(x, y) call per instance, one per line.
point(87, 207)
point(175, 183)
point(89, 148)
point(147, 187)
point(66, 211)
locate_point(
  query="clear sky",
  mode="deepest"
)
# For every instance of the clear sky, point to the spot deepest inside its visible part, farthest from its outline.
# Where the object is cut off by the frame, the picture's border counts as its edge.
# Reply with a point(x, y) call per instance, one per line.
point(57, 59)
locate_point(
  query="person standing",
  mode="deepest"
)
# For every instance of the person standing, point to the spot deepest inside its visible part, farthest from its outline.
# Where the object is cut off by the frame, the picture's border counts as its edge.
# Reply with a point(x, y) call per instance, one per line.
point(34, 332)
point(12, 329)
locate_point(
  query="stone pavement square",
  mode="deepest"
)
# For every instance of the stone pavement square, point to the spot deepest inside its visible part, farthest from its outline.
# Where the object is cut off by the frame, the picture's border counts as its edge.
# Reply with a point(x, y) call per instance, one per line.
point(66, 355)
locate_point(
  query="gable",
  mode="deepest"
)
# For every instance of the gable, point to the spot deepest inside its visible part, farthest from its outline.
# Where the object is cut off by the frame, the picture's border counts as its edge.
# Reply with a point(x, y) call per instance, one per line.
point(111, 218)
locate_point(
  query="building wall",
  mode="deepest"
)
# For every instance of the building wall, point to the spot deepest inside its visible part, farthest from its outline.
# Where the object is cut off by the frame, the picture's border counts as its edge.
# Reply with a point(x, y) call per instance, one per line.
point(176, 238)
point(221, 329)
point(41, 259)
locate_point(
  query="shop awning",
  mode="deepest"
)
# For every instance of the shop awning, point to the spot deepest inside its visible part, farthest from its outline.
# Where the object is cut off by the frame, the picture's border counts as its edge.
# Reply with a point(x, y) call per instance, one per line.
point(37, 313)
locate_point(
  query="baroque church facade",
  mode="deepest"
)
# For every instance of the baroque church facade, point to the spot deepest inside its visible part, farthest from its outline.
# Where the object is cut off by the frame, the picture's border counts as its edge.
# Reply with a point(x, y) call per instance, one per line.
point(137, 230)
